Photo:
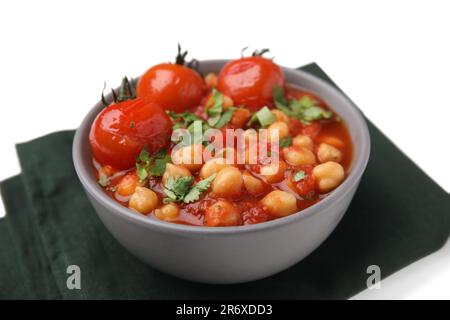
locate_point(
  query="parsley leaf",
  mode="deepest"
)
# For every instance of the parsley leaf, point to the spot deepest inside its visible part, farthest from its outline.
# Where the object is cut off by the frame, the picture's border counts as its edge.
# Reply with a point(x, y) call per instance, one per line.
point(147, 165)
point(180, 189)
point(141, 172)
point(215, 111)
point(264, 116)
point(177, 188)
point(225, 118)
point(159, 166)
point(305, 109)
point(316, 113)
point(198, 189)
point(185, 119)
point(299, 176)
point(285, 142)
point(278, 96)
point(217, 116)
point(144, 156)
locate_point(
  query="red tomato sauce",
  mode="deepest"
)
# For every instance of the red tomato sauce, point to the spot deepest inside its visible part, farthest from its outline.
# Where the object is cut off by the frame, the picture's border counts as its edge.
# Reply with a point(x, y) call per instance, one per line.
point(302, 181)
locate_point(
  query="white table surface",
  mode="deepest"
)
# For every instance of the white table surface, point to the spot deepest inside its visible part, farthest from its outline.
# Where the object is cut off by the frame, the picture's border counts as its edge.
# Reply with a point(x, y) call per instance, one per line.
point(391, 58)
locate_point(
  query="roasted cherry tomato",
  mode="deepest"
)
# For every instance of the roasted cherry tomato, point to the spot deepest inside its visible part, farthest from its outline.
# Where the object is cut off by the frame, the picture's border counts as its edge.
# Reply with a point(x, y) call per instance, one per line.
point(249, 81)
point(123, 129)
point(174, 87)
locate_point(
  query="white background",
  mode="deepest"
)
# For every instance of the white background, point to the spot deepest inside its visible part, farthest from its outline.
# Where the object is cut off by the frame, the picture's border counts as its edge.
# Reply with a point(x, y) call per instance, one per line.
point(391, 57)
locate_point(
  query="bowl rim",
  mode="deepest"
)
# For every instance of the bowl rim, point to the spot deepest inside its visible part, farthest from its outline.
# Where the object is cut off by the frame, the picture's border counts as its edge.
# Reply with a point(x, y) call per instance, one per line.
point(359, 164)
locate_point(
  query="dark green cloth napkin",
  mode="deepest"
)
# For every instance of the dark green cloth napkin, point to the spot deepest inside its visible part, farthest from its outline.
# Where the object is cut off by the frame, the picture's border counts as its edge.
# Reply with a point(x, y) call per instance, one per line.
point(397, 216)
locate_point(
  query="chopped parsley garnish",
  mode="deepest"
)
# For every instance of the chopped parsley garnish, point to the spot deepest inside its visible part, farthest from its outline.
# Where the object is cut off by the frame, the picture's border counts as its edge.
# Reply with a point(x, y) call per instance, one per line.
point(180, 189)
point(177, 188)
point(185, 119)
point(225, 118)
point(147, 165)
point(264, 116)
point(217, 116)
point(300, 175)
point(199, 124)
point(306, 109)
point(215, 111)
point(278, 96)
point(285, 142)
point(198, 189)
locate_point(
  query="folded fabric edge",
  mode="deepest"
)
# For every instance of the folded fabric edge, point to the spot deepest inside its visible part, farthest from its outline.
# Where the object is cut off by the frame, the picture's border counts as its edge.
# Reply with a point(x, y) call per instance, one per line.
point(38, 281)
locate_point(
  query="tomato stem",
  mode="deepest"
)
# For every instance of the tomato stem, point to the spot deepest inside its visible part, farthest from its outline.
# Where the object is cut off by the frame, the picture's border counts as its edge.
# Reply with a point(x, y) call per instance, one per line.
point(127, 91)
point(181, 56)
point(243, 51)
point(105, 104)
point(181, 60)
point(259, 53)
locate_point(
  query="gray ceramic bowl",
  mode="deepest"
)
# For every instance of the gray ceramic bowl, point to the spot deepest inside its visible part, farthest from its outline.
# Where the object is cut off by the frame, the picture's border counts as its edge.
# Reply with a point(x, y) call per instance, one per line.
point(230, 254)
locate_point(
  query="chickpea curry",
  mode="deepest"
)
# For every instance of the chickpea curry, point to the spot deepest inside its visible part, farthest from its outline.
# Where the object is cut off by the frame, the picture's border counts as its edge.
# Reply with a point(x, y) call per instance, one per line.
point(288, 148)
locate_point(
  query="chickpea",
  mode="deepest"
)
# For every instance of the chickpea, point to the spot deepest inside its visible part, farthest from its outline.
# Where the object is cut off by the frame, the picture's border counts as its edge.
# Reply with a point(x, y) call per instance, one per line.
point(252, 184)
point(281, 127)
point(221, 214)
point(168, 212)
point(190, 157)
point(175, 172)
point(212, 166)
point(280, 203)
point(273, 172)
point(303, 141)
point(298, 156)
point(228, 182)
point(327, 152)
point(281, 116)
point(143, 200)
point(211, 80)
point(128, 184)
point(328, 175)
point(335, 142)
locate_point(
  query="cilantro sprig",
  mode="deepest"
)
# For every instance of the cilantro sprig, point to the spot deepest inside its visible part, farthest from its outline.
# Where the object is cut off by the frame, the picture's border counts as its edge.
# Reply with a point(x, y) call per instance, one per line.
point(177, 188)
point(217, 115)
point(215, 111)
point(200, 187)
point(305, 109)
point(148, 165)
point(184, 119)
point(181, 189)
